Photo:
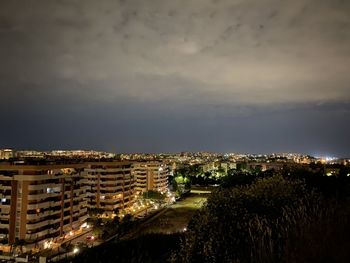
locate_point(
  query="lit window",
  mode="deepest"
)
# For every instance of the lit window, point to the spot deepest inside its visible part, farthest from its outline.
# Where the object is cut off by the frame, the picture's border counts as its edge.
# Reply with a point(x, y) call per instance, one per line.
point(50, 190)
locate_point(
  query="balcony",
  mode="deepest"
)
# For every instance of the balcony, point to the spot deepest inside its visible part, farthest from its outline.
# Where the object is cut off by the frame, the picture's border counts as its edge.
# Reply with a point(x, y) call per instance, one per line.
point(42, 196)
point(38, 224)
point(5, 226)
point(42, 214)
point(42, 186)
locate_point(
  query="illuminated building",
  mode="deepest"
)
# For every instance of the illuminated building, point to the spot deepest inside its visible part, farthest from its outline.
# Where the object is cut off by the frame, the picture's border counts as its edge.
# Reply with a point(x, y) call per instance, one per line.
point(110, 185)
point(6, 154)
point(41, 202)
point(151, 175)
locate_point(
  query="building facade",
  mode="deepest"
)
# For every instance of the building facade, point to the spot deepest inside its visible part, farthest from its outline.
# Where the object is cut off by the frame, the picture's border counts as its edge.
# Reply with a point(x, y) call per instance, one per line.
point(41, 202)
point(151, 176)
point(110, 185)
point(6, 154)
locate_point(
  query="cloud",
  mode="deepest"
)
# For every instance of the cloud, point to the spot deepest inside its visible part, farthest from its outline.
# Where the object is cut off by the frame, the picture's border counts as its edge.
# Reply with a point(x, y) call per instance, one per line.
point(252, 52)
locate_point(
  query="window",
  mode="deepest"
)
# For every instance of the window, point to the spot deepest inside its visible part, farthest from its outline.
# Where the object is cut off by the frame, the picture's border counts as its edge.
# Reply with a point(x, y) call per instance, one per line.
point(50, 190)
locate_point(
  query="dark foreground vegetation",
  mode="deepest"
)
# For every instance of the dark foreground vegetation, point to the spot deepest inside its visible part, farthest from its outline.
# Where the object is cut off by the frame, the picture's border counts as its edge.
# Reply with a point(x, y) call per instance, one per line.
point(149, 248)
point(289, 216)
point(293, 216)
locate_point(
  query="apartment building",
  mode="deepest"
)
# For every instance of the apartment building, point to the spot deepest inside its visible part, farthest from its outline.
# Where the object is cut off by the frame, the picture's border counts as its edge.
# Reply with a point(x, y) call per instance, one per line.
point(151, 175)
point(110, 185)
point(41, 202)
point(6, 154)
point(263, 166)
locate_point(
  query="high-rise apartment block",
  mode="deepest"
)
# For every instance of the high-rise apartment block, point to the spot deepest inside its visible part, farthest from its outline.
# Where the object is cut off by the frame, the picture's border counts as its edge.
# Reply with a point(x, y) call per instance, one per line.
point(39, 202)
point(45, 201)
point(151, 176)
point(110, 185)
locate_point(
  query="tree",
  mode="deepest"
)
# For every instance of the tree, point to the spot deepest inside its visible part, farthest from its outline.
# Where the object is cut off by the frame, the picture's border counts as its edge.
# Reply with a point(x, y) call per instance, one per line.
point(19, 243)
point(67, 246)
point(221, 171)
point(249, 223)
point(116, 211)
point(237, 178)
point(154, 195)
point(97, 231)
point(93, 212)
point(173, 184)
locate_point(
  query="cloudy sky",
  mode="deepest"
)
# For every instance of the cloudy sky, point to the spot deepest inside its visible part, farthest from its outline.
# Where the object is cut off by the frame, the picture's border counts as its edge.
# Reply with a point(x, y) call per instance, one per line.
point(176, 75)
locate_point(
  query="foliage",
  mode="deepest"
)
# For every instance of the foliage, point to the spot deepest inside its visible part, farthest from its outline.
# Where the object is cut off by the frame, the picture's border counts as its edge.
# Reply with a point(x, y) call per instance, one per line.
point(237, 178)
point(148, 248)
point(331, 187)
point(173, 186)
point(325, 240)
point(249, 223)
point(153, 195)
point(97, 231)
point(93, 212)
point(191, 170)
point(107, 227)
point(206, 178)
point(221, 171)
point(67, 246)
point(181, 184)
point(183, 176)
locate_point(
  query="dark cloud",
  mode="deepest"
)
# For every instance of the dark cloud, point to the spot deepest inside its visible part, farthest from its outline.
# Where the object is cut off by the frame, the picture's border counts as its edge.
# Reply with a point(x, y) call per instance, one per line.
point(197, 75)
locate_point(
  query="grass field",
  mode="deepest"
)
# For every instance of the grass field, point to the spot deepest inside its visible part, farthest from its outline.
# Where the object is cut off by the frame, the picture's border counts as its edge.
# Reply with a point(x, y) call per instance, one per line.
point(153, 241)
point(176, 217)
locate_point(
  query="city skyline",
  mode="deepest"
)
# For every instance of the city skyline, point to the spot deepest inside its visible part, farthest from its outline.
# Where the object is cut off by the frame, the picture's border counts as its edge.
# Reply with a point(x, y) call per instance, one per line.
point(23, 154)
point(154, 76)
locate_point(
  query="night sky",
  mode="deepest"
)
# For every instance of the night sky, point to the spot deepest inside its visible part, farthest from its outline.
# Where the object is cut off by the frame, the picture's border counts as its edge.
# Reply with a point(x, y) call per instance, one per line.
point(253, 76)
